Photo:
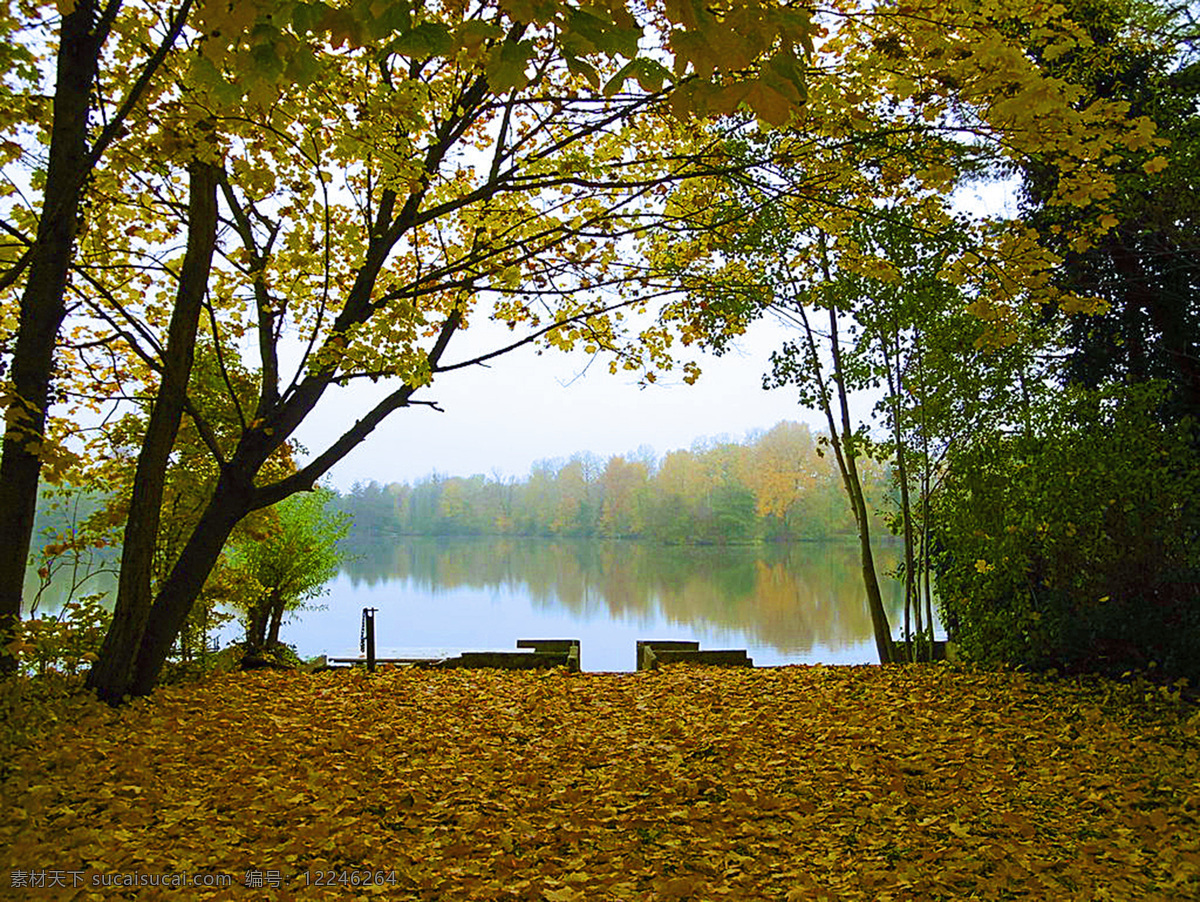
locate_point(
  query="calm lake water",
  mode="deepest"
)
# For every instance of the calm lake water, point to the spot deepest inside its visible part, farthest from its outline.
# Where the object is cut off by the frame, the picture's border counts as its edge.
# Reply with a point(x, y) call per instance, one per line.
point(792, 604)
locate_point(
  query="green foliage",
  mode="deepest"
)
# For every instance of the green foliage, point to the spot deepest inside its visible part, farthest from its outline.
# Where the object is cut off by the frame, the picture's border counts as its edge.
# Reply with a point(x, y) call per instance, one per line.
point(64, 642)
point(290, 565)
point(76, 547)
point(774, 486)
point(1146, 266)
point(1076, 543)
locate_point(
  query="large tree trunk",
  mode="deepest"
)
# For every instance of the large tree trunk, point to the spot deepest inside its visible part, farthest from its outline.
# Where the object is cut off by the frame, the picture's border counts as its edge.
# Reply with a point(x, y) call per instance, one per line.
point(43, 308)
point(231, 502)
point(114, 670)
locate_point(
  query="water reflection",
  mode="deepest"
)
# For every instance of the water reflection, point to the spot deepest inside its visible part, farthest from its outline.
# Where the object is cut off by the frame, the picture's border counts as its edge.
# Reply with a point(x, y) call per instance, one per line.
point(792, 603)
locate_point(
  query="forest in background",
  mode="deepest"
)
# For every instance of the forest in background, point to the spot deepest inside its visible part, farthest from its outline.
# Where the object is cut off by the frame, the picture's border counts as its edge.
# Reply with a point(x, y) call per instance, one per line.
point(776, 486)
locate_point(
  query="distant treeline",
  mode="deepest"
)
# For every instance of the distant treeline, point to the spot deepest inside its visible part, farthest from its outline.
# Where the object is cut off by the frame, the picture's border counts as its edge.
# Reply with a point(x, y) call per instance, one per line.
point(774, 486)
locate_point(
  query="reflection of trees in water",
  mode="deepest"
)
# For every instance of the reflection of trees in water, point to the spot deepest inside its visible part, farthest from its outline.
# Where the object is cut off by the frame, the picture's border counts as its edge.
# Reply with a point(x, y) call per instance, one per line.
point(789, 597)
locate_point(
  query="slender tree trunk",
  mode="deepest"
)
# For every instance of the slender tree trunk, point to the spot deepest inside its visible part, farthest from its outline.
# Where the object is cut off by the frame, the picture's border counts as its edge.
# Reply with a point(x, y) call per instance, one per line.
point(113, 671)
point(850, 476)
point(927, 590)
point(853, 483)
point(892, 364)
point(844, 451)
point(43, 307)
point(926, 488)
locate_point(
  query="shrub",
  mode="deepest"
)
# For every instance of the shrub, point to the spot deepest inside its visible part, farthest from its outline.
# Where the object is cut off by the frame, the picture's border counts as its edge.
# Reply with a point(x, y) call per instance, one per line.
point(64, 642)
point(1076, 544)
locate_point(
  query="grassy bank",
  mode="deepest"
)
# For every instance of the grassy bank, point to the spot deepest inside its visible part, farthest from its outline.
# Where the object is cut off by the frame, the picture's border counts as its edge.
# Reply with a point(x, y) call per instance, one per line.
point(801, 783)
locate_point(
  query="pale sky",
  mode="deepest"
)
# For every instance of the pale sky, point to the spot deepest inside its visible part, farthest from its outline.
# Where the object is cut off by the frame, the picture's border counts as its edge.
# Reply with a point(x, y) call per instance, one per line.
point(526, 408)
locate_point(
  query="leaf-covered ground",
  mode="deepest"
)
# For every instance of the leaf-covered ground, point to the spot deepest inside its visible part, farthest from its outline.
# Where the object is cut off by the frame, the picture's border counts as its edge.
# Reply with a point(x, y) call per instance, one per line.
point(913, 783)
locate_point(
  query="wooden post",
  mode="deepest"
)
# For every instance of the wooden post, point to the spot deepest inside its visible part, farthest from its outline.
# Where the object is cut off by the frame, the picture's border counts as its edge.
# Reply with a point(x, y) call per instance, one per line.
point(368, 637)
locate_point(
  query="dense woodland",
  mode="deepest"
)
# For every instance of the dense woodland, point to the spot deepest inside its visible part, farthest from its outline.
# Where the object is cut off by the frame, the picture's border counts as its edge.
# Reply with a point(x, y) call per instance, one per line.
point(778, 485)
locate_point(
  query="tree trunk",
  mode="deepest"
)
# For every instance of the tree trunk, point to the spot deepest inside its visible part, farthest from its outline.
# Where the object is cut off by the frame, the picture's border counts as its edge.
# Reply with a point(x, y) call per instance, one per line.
point(926, 488)
point(276, 608)
point(893, 378)
point(229, 504)
point(879, 621)
point(853, 483)
point(264, 619)
point(256, 627)
point(842, 442)
point(114, 669)
point(43, 308)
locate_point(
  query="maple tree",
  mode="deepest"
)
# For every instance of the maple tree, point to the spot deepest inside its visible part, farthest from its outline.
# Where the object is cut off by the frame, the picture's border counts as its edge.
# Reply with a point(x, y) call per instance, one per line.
point(40, 232)
point(244, 58)
point(452, 81)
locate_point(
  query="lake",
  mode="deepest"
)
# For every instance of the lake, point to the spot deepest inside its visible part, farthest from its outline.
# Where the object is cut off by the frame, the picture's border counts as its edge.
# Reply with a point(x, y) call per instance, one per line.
point(801, 603)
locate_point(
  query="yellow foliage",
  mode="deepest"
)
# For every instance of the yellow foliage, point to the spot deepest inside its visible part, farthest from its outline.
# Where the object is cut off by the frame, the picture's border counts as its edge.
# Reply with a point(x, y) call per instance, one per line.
point(918, 782)
point(1155, 165)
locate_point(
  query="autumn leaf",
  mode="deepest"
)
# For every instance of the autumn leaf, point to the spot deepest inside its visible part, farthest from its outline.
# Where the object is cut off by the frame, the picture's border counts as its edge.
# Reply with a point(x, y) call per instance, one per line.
point(692, 783)
point(1155, 165)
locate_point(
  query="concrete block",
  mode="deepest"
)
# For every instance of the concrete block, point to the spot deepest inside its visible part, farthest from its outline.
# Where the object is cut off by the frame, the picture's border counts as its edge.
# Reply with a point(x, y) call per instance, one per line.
point(647, 650)
point(561, 646)
point(507, 660)
point(712, 658)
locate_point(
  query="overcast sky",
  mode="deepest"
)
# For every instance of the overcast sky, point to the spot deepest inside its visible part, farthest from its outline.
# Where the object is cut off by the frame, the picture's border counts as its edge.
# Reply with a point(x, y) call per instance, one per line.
point(526, 408)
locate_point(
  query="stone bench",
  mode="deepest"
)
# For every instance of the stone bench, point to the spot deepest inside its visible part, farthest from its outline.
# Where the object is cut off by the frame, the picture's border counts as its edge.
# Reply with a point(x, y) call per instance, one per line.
point(651, 654)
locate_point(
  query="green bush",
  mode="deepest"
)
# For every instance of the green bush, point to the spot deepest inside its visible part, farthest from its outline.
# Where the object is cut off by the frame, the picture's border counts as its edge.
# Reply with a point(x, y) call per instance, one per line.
point(1076, 544)
point(65, 642)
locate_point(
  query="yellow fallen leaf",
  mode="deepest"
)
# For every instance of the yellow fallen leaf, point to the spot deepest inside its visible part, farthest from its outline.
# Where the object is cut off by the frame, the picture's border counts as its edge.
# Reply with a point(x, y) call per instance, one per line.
point(562, 894)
